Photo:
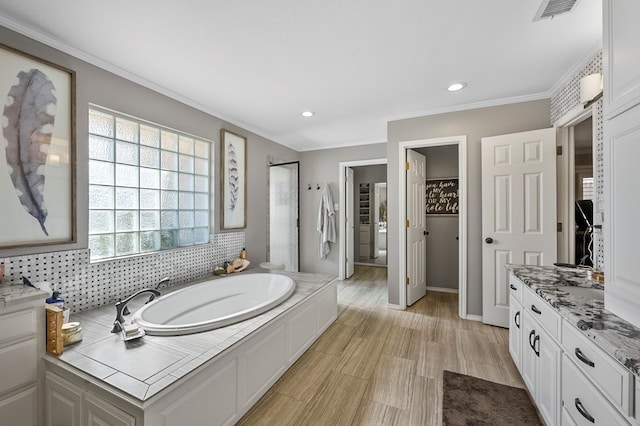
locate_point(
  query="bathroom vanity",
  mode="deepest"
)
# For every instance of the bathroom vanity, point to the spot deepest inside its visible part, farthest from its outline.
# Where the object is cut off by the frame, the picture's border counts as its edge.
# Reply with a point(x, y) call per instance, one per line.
point(21, 348)
point(580, 363)
point(211, 378)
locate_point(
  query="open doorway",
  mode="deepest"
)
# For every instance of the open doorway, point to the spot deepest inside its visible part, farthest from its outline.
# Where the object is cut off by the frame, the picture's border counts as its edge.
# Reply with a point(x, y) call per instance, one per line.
point(370, 205)
point(576, 186)
point(352, 217)
point(583, 190)
point(442, 221)
point(403, 147)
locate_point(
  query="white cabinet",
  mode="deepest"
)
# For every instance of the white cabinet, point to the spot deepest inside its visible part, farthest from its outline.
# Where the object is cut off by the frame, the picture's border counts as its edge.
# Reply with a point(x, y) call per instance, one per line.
point(621, 152)
point(515, 331)
point(583, 401)
point(621, 232)
point(572, 381)
point(20, 408)
point(99, 412)
point(21, 346)
point(548, 377)
point(365, 241)
point(533, 330)
point(541, 368)
point(63, 401)
point(67, 404)
point(613, 380)
point(621, 56)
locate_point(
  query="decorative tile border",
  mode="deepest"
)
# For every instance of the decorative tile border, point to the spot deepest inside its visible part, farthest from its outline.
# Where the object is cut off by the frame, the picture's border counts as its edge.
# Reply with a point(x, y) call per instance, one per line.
point(564, 101)
point(86, 285)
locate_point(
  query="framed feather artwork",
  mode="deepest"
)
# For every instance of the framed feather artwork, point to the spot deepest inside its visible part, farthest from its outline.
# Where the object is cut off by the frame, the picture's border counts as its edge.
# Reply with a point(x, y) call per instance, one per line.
point(37, 151)
point(234, 180)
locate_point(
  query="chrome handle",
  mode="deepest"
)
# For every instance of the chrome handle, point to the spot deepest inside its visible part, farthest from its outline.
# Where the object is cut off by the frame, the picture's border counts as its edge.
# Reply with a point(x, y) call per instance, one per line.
point(583, 411)
point(582, 357)
point(536, 310)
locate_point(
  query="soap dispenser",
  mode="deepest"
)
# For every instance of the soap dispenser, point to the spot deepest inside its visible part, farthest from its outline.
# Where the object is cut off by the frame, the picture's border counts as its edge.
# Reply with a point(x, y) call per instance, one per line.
point(243, 254)
point(56, 300)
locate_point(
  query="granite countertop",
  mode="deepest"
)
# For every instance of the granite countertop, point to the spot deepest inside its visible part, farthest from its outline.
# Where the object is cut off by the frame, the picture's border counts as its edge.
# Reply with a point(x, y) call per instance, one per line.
point(141, 368)
point(615, 336)
point(12, 294)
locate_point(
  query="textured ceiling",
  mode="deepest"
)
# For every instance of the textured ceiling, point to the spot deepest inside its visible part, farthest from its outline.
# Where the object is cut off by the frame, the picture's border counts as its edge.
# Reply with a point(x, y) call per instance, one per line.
point(356, 63)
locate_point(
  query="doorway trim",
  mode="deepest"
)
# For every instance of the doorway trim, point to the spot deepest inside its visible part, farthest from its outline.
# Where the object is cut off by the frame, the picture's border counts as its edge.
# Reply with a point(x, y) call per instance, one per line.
point(461, 141)
point(566, 177)
point(342, 216)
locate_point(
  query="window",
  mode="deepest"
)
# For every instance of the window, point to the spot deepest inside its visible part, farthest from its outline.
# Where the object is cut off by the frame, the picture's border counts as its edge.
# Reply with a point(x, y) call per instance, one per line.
point(148, 187)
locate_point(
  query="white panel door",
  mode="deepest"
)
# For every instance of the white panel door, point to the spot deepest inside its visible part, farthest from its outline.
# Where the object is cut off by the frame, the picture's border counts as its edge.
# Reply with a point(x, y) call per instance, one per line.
point(416, 227)
point(350, 222)
point(518, 212)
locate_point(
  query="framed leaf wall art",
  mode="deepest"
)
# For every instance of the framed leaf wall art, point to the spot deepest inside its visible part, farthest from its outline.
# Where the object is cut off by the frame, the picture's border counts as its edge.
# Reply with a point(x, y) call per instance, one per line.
point(37, 151)
point(234, 180)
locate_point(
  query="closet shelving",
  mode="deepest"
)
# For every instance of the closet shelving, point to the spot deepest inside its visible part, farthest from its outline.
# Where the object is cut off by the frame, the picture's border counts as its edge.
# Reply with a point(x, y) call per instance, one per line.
point(364, 206)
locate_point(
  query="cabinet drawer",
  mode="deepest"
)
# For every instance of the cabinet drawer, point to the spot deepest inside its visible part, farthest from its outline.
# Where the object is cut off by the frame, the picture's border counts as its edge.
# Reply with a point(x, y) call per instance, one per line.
point(17, 324)
point(19, 365)
point(584, 402)
point(515, 287)
point(542, 312)
point(613, 380)
point(20, 409)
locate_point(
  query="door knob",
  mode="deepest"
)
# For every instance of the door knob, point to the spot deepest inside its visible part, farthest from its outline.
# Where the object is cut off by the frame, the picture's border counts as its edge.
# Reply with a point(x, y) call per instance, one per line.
point(425, 233)
point(488, 240)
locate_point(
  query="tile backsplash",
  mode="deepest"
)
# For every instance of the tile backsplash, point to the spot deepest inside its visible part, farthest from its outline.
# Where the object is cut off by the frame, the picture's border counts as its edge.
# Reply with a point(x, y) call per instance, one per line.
point(86, 285)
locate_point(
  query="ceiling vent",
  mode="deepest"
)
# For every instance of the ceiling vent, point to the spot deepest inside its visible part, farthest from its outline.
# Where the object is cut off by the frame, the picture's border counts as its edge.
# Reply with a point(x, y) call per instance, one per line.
point(551, 8)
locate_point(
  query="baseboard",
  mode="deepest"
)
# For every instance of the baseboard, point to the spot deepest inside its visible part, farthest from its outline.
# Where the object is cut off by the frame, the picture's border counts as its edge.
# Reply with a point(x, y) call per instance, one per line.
point(394, 306)
point(474, 317)
point(442, 289)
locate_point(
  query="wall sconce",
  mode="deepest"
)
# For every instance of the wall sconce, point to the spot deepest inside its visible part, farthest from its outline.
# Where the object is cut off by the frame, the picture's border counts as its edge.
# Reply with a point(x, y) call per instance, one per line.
point(590, 87)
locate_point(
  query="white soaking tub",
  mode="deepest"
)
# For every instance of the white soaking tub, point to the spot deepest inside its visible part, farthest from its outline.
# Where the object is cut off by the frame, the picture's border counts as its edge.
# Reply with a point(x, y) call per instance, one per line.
point(214, 304)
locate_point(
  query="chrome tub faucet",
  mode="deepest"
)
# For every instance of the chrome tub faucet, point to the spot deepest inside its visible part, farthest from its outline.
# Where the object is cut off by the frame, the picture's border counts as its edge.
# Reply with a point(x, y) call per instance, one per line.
point(121, 307)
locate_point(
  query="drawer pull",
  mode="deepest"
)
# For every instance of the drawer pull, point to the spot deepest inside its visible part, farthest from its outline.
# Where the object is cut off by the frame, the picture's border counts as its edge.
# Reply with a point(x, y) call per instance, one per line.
point(583, 411)
point(582, 357)
point(516, 319)
point(536, 310)
point(513, 287)
point(536, 340)
point(533, 332)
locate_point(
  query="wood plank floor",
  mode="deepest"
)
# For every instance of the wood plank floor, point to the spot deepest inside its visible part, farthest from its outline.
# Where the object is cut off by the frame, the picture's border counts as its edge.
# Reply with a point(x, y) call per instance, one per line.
point(380, 366)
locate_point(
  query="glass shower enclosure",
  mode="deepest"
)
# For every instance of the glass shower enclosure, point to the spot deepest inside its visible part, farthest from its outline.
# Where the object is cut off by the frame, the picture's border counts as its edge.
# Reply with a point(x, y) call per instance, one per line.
point(283, 215)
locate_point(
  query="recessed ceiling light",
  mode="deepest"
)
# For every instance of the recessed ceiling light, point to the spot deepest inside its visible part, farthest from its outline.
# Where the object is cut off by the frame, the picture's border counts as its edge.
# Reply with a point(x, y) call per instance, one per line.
point(308, 114)
point(457, 86)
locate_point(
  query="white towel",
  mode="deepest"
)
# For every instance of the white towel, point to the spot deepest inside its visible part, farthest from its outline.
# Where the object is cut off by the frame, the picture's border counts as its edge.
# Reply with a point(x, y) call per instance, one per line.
point(326, 222)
